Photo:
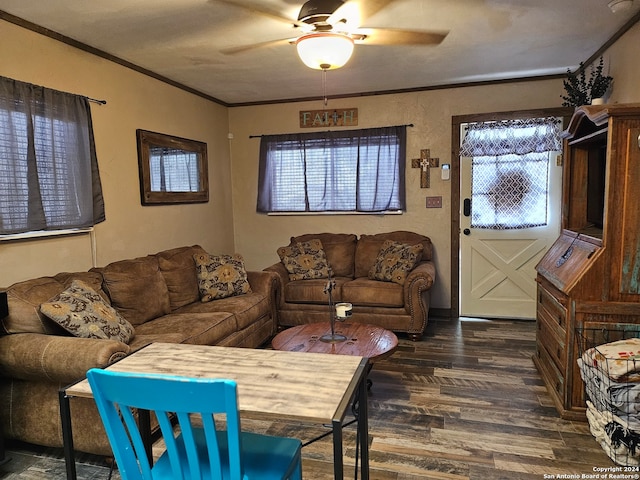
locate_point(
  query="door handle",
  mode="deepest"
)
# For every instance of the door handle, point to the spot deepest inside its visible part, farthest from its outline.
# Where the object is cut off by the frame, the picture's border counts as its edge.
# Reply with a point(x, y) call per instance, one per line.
point(466, 231)
point(466, 209)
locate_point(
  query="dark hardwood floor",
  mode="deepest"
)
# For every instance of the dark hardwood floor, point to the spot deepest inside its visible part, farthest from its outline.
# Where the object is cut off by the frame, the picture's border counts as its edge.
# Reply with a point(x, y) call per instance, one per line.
point(466, 402)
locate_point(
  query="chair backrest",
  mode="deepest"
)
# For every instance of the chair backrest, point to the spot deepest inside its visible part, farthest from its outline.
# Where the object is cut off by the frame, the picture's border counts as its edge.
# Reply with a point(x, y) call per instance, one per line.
point(119, 395)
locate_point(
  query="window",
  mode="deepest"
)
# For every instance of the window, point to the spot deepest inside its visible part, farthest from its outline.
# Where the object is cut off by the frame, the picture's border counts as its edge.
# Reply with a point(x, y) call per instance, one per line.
point(509, 191)
point(336, 171)
point(509, 173)
point(50, 177)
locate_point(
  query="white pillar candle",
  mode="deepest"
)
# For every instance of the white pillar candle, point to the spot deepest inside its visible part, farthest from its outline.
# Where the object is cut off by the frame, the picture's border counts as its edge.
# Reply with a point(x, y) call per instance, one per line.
point(343, 310)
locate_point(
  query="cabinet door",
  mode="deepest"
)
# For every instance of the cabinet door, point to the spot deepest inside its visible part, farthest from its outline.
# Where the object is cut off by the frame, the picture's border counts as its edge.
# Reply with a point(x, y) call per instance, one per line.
point(630, 268)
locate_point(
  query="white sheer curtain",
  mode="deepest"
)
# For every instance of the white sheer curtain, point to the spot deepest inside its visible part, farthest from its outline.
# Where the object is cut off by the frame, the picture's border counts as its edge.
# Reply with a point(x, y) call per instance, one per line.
point(50, 178)
point(512, 137)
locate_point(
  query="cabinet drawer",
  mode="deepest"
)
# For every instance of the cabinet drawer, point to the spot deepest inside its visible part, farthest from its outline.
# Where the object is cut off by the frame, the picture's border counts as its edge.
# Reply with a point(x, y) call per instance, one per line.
point(547, 336)
point(552, 308)
point(552, 377)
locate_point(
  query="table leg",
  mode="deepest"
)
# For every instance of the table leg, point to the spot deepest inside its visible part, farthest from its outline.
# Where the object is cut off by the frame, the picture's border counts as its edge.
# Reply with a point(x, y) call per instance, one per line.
point(338, 471)
point(67, 435)
point(363, 428)
point(3, 451)
point(144, 423)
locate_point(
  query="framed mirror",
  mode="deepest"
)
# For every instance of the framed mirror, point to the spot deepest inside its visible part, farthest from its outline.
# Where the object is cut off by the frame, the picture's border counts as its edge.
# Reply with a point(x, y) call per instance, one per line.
point(172, 169)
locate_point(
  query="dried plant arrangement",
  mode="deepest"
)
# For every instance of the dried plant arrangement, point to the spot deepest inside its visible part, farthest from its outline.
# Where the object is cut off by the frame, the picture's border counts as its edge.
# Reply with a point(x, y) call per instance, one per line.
point(580, 91)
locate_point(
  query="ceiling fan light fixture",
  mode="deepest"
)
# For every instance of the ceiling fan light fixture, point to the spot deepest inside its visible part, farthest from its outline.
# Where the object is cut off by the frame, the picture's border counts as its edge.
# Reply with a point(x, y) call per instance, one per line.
point(324, 50)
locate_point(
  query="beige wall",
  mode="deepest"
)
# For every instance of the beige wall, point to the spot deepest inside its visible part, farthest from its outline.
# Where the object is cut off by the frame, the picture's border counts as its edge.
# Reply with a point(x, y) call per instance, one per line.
point(622, 60)
point(133, 101)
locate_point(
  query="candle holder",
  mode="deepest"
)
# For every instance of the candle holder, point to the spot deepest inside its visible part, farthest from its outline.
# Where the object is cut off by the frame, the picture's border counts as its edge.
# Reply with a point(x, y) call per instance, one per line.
point(333, 337)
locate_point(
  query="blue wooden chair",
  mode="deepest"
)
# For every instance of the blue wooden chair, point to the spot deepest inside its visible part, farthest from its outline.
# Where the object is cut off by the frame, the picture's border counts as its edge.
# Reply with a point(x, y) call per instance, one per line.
point(200, 451)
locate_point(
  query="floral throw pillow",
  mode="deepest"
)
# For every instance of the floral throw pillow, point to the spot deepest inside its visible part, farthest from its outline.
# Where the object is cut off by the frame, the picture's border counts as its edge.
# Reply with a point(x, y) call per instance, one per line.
point(394, 261)
point(305, 260)
point(221, 276)
point(81, 311)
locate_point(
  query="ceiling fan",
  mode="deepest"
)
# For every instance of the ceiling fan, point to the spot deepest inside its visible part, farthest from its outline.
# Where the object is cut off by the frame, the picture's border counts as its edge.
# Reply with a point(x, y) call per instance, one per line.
point(337, 21)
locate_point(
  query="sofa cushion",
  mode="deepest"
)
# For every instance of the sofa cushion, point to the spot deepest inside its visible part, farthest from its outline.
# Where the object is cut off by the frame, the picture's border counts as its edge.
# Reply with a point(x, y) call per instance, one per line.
point(140, 341)
point(366, 292)
point(179, 271)
point(137, 289)
point(92, 279)
point(340, 249)
point(246, 309)
point(220, 276)
point(26, 297)
point(305, 260)
point(313, 291)
point(84, 313)
point(394, 261)
point(193, 328)
point(369, 246)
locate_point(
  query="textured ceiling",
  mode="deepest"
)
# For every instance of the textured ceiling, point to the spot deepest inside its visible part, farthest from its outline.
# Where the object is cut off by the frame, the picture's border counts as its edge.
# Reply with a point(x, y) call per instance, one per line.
point(186, 41)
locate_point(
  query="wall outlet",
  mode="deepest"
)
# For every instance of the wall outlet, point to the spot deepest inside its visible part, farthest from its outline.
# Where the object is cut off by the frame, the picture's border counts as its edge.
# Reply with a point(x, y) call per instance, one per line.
point(434, 202)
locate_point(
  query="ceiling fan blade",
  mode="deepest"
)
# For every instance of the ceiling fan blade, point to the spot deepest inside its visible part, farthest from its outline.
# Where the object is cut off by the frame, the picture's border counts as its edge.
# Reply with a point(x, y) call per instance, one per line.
point(254, 46)
point(260, 9)
point(368, 8)
point(391, 36)
point(357, 12)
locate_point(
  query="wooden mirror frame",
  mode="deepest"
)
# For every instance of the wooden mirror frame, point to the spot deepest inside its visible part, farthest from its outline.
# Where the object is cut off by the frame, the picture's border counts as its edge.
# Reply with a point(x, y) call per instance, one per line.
point(146, 140)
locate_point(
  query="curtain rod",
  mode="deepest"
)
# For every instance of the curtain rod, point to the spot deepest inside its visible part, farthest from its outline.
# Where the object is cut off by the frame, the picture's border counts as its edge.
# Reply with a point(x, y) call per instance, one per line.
point(406, 125)
point(94, 100)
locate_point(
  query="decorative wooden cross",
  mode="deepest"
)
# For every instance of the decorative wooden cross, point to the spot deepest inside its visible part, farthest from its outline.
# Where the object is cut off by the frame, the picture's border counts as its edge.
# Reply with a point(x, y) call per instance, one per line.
point(424, 163)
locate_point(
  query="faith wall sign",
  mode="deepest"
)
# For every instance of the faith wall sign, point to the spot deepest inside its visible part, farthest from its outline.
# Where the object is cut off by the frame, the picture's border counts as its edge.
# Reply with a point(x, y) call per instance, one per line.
point(339, 117)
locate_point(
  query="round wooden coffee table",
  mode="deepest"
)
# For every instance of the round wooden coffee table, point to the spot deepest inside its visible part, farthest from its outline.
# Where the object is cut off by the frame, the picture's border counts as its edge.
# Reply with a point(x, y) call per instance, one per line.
point(363, 340)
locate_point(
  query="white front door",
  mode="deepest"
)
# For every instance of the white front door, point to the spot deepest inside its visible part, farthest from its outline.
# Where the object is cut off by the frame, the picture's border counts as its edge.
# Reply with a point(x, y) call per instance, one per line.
point(497, 266)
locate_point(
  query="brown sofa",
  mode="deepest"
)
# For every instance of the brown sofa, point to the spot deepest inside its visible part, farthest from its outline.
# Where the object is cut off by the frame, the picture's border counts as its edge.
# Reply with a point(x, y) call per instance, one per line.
point(157, 294)
point(400, 308)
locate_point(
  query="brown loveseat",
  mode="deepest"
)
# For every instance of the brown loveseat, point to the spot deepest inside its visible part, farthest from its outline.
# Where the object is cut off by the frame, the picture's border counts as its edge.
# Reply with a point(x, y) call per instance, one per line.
point(394, 306)
point(157, 294)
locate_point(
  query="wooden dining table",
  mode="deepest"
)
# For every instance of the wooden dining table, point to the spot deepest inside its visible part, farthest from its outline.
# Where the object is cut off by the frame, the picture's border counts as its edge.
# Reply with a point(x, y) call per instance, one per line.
point(310, 388)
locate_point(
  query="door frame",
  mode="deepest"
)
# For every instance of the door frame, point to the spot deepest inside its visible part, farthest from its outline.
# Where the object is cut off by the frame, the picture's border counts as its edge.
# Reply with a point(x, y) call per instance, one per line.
point(457, 120)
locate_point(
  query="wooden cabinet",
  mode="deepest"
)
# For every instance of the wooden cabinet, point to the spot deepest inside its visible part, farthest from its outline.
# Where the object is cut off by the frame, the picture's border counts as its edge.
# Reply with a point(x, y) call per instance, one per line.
point(591, 274)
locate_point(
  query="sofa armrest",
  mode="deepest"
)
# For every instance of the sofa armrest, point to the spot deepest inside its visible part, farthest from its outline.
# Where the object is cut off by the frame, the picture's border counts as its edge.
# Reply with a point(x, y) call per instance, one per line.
point(282, 279)
point(35, 356)
point(424, 271)
point(417, 296)
point(261, 282)
point(267, 283)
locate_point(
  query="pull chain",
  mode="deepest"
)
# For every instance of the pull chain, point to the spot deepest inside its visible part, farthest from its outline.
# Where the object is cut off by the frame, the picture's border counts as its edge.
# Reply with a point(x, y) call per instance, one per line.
point(324, 86)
